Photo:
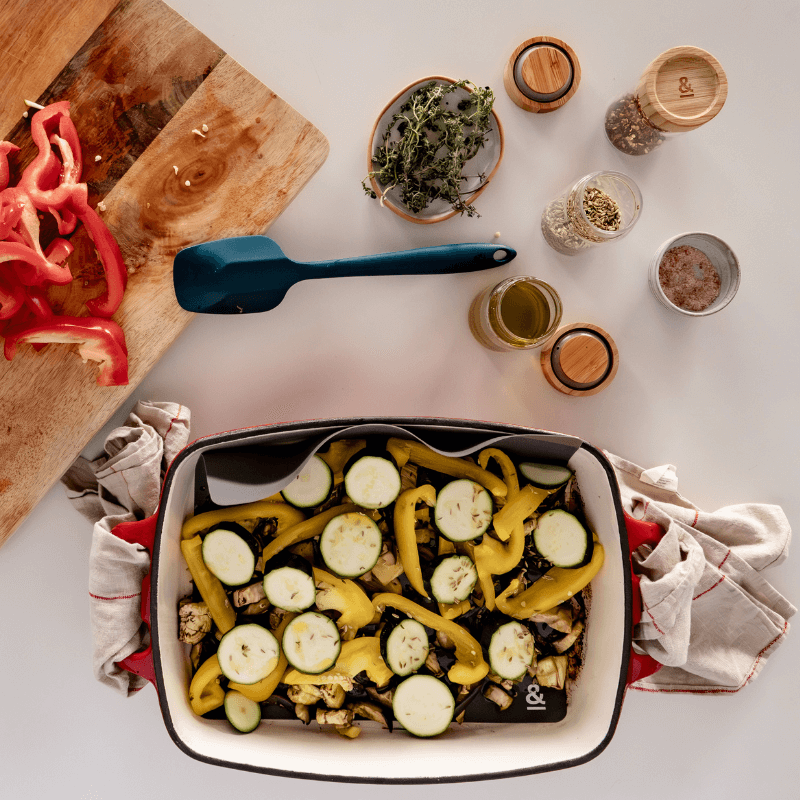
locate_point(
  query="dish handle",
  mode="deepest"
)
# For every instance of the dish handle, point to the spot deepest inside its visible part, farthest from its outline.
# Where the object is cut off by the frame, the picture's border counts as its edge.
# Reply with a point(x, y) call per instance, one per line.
point(141, 532)
point(640, 532)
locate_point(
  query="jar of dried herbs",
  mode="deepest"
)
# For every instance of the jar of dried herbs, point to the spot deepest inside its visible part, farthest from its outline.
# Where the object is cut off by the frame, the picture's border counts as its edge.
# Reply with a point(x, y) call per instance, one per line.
point(679, 91)
point(600, 207)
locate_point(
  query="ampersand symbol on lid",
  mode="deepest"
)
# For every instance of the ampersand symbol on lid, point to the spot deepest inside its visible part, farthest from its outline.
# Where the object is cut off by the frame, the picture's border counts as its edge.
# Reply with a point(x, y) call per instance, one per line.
point(684, 85)
point(534, 696)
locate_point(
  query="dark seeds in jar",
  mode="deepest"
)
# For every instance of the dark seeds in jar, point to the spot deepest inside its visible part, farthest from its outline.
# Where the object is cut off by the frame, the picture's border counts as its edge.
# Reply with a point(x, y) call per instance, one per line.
point(629, 130)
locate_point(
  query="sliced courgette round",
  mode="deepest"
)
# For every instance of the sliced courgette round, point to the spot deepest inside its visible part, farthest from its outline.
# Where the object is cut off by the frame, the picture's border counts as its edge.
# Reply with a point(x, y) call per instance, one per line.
point(291, 587)
point(404, 646)
point(372, 482)
point(311, 486)
point(242, 712)
point(228, 553)
point(423, 705)
point(453, 579)
point(511, 651)
point(248, 653)
point(545, 476)
point(463, 510)
point(311, 643)
point(560, 538)
point(350, 544)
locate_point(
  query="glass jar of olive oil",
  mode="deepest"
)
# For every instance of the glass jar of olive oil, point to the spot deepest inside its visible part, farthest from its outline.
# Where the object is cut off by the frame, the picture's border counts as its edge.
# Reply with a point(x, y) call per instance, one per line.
point(519, 313)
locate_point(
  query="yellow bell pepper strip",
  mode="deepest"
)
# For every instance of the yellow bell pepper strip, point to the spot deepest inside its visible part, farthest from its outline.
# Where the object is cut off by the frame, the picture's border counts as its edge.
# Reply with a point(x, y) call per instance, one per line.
point(517, 510)
point(556, 586)
point(209, 586)
point(451, 611)
point(205, 693)
point(403, 450)
point(470, 665)
point(266, 687)
point(490, 556)
point(339, 453)
point(265, 509)
point(405, 534)
point(345, 596)
point(307, 529)
point(358, 655)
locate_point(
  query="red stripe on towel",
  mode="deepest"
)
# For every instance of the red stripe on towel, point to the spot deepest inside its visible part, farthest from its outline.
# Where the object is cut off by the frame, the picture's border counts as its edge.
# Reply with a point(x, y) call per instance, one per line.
point(724, 559)
point(696, 517)
point(709, 588)
point(118, 597)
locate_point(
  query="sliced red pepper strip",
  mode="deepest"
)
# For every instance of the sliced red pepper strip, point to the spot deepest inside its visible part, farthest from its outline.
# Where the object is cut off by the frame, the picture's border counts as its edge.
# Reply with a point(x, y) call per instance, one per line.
point(5, 149)
point(113, 266)
point(12, 295)
point(98, 340)
point(31, 268)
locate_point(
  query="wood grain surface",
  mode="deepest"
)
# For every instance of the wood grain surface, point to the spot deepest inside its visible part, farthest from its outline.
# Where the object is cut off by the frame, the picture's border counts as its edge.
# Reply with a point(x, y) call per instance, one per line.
point(139, 83)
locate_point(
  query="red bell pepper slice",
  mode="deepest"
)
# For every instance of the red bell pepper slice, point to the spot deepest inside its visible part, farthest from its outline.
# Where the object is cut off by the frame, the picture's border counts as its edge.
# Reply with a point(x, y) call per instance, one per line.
point(12, 296)
point(5, 149)
point(115, 273)
point(98, 340)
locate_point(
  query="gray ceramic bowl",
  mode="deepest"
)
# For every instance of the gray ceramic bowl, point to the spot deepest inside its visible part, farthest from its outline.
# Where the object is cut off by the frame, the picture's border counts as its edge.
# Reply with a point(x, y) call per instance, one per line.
point(719, 254)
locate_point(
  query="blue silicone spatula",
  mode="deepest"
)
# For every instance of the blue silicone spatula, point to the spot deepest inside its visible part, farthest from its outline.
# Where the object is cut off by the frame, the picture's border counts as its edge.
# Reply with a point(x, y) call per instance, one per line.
point(248, 274)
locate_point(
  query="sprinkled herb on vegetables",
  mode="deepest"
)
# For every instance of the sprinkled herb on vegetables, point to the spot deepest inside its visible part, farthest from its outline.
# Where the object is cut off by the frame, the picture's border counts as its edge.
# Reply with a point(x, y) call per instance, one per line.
point(430, 626)
point(427, 145)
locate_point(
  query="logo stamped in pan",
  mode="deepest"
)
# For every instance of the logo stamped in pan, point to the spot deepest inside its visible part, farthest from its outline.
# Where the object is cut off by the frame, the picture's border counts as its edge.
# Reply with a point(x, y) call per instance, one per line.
point(534, 699)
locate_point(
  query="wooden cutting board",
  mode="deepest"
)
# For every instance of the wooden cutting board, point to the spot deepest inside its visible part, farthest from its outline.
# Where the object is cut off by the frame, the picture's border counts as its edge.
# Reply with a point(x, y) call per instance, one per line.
point(140, 79)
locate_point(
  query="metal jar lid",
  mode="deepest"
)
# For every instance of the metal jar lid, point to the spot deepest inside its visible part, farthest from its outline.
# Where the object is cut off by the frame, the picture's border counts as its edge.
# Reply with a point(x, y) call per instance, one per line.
point(682, 89)
point(581, 359)
point(542, 74)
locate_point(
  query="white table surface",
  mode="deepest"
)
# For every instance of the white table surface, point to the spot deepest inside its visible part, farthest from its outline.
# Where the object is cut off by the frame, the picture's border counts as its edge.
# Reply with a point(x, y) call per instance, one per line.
point(717, 397)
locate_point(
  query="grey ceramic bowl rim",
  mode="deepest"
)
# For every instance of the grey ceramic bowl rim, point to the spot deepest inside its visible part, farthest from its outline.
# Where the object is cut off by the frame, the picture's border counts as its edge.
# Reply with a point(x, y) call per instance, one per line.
point(655, 285)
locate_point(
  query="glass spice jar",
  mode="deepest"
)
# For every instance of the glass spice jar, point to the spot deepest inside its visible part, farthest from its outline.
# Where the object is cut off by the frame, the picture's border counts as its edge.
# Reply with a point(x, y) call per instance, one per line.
point(679, 91)
point(519, 313)
point(600, 207)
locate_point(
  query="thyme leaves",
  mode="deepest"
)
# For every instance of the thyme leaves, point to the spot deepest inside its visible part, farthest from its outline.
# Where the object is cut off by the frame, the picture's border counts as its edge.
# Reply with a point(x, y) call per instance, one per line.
point(427, 144)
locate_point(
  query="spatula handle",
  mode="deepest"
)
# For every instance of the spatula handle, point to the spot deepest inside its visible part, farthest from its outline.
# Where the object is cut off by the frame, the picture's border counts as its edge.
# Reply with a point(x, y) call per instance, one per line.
point(444, 259)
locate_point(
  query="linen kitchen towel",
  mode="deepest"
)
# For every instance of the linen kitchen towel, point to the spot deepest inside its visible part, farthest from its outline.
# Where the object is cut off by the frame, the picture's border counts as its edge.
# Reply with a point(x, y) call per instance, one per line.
point(709, 615)
point(122, 485)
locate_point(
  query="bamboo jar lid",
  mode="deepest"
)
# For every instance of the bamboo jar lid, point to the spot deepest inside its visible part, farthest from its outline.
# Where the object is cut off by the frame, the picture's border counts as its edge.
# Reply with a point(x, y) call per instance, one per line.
point(542, 74)
point(682, 89)
point(581, 359)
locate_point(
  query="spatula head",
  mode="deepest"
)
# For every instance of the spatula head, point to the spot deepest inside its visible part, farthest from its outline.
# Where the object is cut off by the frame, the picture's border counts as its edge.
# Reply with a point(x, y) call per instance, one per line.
point(239, 275)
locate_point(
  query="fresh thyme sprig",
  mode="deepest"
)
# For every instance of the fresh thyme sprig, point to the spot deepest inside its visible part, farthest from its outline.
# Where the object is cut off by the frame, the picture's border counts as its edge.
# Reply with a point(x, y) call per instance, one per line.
point(427, 161)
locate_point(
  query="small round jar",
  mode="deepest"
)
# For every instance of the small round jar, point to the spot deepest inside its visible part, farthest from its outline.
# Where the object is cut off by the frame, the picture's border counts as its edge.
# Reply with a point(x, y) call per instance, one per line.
point(679, 91)
point(519, 313)
point(598, 208)
point(722, 259)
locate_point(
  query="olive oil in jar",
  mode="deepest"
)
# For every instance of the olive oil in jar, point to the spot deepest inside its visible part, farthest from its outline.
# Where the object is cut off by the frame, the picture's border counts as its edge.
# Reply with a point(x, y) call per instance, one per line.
point(523, 310)
point(518, 314)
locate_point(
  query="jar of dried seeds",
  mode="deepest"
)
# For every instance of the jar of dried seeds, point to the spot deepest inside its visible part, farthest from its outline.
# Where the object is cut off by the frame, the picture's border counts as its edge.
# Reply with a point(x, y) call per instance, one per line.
point(600, 207)
point(681, 90)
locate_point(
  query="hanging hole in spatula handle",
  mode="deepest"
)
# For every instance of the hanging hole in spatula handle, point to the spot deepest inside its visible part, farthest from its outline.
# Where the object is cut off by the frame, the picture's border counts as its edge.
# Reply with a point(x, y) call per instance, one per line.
point(640, 533)
point(141, 532)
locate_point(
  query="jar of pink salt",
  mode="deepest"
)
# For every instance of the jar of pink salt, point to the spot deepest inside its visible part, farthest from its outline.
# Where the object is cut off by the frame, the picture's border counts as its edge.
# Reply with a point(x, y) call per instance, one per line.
point(695, 274)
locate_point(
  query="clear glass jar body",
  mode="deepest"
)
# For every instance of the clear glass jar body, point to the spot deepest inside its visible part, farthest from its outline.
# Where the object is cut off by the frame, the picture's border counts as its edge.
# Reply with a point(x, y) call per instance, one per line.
point(570, 224)
point(519, 313)
point(629, 129)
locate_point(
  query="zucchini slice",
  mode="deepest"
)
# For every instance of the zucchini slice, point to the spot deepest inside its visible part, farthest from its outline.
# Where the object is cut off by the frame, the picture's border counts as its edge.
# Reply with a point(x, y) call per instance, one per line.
point(242, 712)
point(291, 587)
point(248, 653)
point(405, 646)
point(561, 538)
point(511, 651)
point(423, 705)
point(311, 643)
point(350, 544)
point(311, 486)
point(372, 482)
point(463, 510)
point(545, 476)
point(453, 579)
point(228, 553)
